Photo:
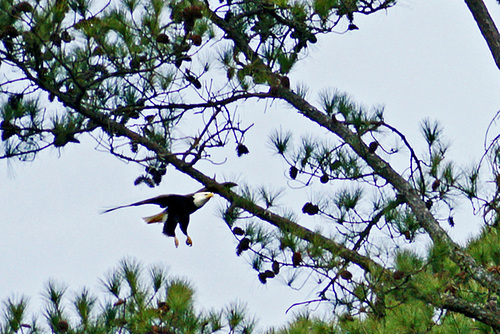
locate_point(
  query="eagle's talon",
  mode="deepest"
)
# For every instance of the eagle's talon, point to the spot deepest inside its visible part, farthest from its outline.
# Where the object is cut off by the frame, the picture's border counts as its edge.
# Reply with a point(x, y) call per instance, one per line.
point(176, 241)
point(189, 242)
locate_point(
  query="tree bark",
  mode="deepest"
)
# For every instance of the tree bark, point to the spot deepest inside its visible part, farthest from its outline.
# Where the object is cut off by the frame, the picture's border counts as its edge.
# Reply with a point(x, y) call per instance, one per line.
point(486, 26)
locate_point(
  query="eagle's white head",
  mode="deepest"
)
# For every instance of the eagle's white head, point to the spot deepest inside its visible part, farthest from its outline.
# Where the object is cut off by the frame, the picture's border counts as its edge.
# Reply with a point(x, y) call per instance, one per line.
point(201, 198)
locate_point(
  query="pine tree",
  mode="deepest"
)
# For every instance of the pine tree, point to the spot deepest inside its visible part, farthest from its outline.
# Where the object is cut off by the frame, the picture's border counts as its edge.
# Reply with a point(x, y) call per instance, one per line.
point(134, 72)
point(137, 300)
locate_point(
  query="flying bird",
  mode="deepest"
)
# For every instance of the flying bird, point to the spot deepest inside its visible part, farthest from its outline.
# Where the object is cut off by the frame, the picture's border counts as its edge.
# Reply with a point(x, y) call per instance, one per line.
point(178, 208)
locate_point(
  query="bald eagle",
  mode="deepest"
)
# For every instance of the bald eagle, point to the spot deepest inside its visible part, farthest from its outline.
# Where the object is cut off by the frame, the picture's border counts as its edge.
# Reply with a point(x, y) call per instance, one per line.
point(177, 211)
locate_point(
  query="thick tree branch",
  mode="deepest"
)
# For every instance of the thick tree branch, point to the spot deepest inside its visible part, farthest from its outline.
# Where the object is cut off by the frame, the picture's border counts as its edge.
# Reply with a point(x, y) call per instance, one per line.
point(381, 167)
point(486, 26)
point(114, 128)
point(489, 315)
point(411, 196)
point(367, 264)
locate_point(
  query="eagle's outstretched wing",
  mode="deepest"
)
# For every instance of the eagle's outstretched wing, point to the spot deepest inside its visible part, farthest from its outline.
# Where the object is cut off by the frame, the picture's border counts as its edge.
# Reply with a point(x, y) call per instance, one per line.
point(165, 200)
point(162, 200)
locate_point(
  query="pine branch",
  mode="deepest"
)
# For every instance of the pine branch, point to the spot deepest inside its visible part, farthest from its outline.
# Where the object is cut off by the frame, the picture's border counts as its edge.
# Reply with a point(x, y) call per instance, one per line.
point(412, 198)
point(486, 26)
point(487, 314)
point(381, 167)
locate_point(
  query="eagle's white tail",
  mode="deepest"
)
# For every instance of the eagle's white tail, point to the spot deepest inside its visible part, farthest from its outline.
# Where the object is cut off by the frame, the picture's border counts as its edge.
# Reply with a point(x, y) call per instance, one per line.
point(158, 218)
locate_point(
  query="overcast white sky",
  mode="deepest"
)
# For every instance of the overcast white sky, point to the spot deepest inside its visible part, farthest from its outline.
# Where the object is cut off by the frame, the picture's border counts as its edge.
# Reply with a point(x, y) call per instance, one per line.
point(420, 59)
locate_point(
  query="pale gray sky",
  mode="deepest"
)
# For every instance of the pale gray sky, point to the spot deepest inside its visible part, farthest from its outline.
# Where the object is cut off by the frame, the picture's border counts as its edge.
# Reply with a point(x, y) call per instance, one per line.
point(421, 59)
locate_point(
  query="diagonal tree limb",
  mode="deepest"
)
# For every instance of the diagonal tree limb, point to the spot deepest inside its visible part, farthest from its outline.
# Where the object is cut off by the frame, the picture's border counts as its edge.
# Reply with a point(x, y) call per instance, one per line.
point(412, 198)
point(452, 303)
point(367, 264)
point(381, 167)
point(114, 128)
point(487, 315)
point(486, 26)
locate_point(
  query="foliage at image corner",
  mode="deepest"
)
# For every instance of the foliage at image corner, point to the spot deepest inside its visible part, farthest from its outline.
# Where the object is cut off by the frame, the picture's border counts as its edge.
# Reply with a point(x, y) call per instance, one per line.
point(137, 299)
point(142, 80)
